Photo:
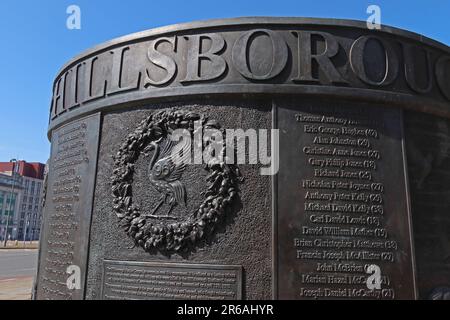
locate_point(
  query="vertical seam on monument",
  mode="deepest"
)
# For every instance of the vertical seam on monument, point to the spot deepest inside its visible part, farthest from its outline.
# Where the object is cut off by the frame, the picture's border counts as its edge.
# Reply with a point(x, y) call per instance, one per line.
point(274, 213)
point(408, 205)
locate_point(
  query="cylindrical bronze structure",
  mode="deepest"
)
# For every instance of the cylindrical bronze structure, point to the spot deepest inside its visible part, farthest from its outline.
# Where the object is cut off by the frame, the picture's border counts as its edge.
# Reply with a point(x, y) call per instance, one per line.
point(357, 205)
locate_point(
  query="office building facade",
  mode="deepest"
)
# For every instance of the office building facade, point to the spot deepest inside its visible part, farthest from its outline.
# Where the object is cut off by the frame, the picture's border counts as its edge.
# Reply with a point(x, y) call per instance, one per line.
point(26, 217)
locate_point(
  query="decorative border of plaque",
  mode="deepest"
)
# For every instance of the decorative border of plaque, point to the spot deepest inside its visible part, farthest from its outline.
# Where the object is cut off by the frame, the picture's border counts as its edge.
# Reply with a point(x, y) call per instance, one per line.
point(342, 206)
point(133, 280)
point(154, 230)
point(68, 210)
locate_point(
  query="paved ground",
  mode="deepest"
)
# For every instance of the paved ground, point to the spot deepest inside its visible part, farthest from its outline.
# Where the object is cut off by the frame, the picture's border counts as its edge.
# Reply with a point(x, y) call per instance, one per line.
point(17, 268)
point(20, 245)
point(16, 288)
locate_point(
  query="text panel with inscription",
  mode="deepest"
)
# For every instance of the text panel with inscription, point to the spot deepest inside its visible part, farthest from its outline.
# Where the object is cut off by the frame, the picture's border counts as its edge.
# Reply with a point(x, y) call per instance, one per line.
point(343, 221)
point(68, 209)
point(161, 281)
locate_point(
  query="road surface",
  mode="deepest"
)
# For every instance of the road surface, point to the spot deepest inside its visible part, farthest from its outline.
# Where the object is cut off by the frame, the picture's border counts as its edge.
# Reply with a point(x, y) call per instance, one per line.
point(17, 269)
point(17, 263)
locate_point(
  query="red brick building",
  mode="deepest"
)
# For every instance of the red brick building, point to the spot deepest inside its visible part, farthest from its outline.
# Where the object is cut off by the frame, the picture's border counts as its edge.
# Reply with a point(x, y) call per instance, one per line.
point(27, 169)
point(25, 221)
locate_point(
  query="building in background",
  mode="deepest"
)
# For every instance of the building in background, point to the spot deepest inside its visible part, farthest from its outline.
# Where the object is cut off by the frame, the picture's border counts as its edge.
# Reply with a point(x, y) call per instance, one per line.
point(10, 195)
point(28, 213)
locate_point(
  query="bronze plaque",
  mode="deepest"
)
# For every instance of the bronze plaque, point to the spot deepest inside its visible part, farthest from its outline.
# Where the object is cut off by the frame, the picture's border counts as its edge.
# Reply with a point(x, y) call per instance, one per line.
point(68, 209)
point(124, 280)
point(342, 204)
point(428, 151)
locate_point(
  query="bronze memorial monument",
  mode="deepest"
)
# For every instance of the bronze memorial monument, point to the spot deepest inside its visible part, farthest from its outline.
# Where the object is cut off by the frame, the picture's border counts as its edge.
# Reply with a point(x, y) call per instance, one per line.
point(357, 128)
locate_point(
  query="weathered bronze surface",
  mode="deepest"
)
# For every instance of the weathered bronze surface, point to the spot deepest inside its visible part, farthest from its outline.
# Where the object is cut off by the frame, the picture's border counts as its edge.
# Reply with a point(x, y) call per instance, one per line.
point(427, 146)
point(363, 169)
point(147, 280)
point(342, 202)
point(165, 231)
point(70, 190)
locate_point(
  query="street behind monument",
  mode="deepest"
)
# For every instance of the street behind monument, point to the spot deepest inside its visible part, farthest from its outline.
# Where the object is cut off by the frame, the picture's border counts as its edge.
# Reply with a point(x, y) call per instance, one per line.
point(17, 268)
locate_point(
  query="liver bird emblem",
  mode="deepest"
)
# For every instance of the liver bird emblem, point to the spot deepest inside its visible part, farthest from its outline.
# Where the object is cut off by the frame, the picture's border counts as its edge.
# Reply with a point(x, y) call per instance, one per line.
point(164, 172)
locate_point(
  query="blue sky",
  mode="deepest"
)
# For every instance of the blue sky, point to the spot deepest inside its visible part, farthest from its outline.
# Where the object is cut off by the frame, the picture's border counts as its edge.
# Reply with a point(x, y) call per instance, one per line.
point(36, 43)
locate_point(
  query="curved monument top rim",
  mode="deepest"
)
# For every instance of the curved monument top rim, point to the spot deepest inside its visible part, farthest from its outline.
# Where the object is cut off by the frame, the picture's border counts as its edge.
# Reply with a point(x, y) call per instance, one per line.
point(135, 69)
point(255, 21)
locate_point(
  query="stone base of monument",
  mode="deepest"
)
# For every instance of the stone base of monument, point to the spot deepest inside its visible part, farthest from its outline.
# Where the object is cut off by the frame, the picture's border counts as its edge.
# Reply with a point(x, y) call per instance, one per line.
point(339, 188)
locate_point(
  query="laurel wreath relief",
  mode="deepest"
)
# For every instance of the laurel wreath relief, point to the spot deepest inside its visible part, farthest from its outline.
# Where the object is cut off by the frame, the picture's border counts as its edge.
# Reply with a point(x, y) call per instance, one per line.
point(174, 236)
